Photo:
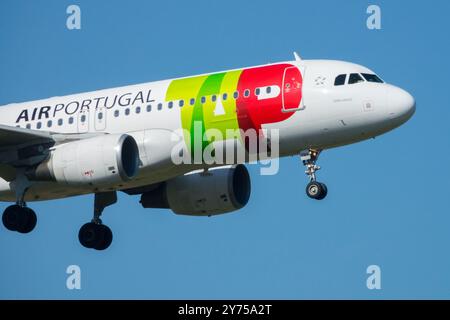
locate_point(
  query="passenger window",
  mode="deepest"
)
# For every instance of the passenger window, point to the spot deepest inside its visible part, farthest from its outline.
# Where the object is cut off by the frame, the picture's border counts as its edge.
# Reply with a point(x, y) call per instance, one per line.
point(203, 99)
point(340, 80)
point(83, 118)
point(60, 122)
point(224, 97)
point(213, 98)
point(257, 91)
point(71, 120)
point(116, 113)
point(138, 109)
point(355, 78)
point(192, 101)
point(149, 107)
point(159, 106)
point(268, 89)
point(28, 126)
point(236, 95)
point(127, 111)
point(49, 123)
point(246, 93)
point(38, 125)
point(181, 103)
point(100, 115)
point(170, 105)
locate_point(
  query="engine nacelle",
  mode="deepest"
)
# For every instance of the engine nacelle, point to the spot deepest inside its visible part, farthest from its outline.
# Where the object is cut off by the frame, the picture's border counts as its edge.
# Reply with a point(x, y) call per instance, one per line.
point(208, 193)
point(100, 162)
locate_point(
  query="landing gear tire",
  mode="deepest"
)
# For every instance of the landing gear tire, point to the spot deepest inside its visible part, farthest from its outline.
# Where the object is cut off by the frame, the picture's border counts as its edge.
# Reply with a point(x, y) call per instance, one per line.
point(95, 236)
point(10, 217)
point(18, 218)
point(316, 190)
point(106, 237)
point(28, 220)
point(87, 235)
point(324, 191)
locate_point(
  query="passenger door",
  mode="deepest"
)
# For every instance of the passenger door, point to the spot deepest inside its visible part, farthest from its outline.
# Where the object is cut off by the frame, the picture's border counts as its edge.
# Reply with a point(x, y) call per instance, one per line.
point(100, 119)
point(83, 121)
point(292, 89)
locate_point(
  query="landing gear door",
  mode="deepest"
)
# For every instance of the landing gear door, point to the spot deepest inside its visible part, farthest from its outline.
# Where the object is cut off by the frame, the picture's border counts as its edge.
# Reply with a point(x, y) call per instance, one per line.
point(292, 90)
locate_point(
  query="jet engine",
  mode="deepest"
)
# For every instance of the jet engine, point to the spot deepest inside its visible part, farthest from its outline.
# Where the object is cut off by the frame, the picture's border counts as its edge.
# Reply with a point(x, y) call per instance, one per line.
point(100, 162)
point(213, 192)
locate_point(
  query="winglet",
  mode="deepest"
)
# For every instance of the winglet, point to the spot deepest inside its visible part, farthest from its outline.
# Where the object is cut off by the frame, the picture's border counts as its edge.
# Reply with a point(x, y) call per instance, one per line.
point(297, 57)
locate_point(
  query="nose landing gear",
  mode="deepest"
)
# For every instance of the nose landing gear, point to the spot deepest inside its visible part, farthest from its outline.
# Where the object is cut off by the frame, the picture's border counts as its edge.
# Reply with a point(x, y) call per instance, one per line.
point(314, 189)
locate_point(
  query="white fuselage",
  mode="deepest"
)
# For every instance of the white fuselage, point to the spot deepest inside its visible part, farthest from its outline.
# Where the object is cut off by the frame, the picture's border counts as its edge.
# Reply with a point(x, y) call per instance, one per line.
point(327, 115)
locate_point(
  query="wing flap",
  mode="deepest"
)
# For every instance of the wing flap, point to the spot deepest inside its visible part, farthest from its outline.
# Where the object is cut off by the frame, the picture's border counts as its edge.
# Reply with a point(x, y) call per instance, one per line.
point(12, 136)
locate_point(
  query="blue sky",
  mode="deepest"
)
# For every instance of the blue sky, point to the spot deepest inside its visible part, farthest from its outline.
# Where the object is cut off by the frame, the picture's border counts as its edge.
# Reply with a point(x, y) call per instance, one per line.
point(388, 198)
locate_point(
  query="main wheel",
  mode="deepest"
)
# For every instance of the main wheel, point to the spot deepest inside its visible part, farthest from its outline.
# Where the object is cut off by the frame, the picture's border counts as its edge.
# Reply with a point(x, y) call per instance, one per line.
point(89, 235)
point(27, 219)
point(106, 237)
point(17, 218)
point(95, 236)
point(10, 217)
point(316, 190)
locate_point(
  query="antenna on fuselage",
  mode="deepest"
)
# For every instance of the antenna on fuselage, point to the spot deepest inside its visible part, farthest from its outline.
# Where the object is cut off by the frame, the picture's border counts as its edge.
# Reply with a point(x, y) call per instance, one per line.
point(297, 57)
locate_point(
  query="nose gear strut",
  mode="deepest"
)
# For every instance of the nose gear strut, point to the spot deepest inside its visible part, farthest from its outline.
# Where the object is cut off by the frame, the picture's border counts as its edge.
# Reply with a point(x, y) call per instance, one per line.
point(314, 189)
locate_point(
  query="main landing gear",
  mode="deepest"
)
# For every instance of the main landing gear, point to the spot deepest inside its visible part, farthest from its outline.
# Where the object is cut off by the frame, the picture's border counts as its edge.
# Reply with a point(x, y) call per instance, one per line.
point(19, 217)
point(314, 189)
point(94, 234)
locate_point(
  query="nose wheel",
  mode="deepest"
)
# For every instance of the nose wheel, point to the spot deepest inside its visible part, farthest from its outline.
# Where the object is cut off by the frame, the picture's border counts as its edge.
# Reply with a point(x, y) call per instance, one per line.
point(314, 189)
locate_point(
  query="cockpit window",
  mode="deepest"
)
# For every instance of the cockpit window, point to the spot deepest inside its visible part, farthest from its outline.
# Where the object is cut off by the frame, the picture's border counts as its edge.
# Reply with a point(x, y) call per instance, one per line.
point(355, 78)
point(340, 80)
point(371, 77)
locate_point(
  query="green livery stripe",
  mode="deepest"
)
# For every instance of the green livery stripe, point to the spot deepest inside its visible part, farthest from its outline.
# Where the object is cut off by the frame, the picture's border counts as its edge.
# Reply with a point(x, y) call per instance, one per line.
point(227, 118)
point(186, 89)
point(197, 119)
point(210, 86)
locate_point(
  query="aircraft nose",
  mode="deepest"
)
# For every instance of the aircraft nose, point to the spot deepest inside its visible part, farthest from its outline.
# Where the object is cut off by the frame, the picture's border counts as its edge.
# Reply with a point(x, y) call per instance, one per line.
point(401, 104)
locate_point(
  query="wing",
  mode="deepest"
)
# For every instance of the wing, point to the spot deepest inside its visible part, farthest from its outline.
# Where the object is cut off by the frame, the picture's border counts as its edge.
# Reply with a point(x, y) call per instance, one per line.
point(20, 147)
point(12, 136)
point(17, 145)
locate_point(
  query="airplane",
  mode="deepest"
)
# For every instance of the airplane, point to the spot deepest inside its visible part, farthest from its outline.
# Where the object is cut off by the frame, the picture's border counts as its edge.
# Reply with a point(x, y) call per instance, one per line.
point(123, 139)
